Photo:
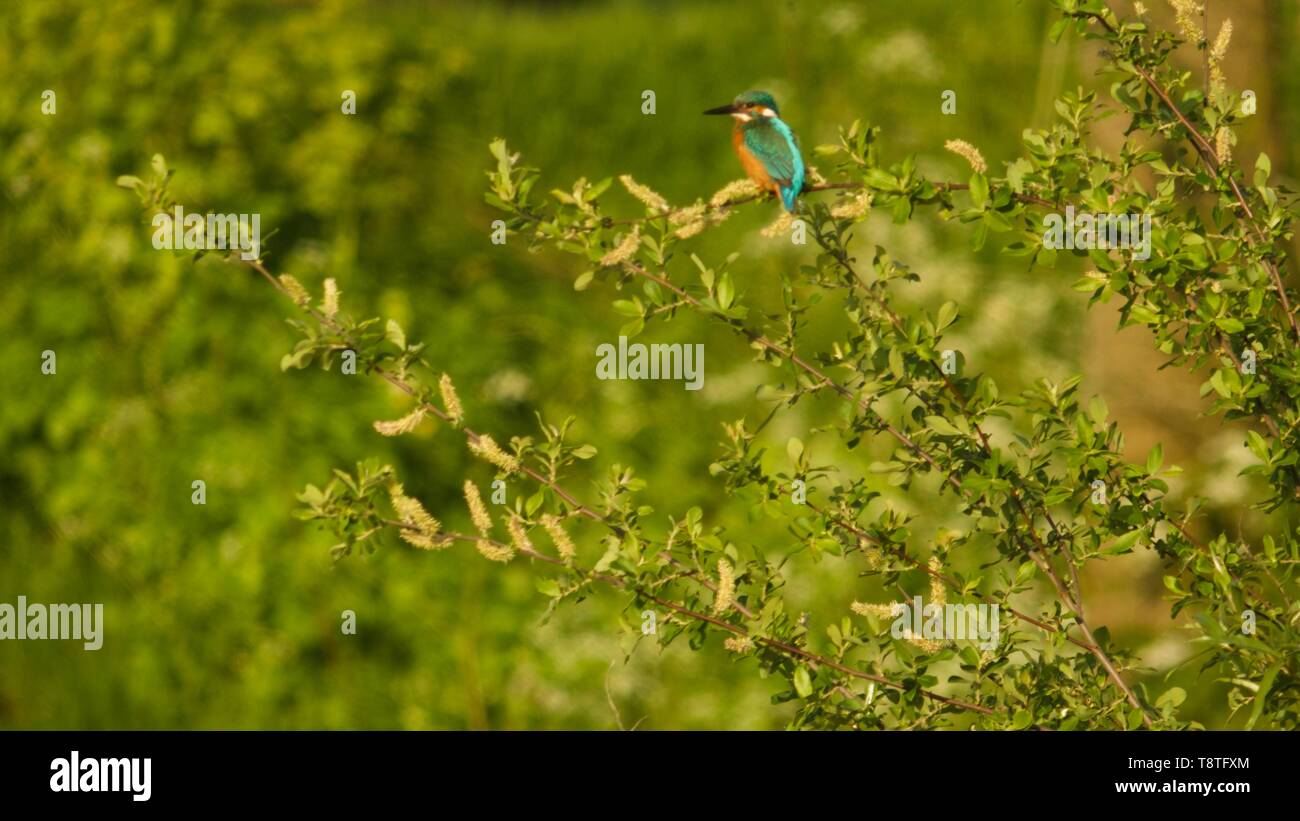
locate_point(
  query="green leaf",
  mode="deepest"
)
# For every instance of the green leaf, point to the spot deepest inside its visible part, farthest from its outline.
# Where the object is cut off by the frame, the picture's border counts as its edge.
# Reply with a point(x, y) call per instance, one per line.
point(794, 448)
point(1263, 168)
point(878, 178)
point(394, 334)
point(626, 307)
point(1134, 718)
point(597, 189)
point(1124, 543)
point(1171, 698)
point(1097, 410)
point(896, 363)
point(802, 681)
point(610, 555)
point(942, 426)
point(312, 495)
point(534, 502)
point(726, 291)
point(1217, 382)
point(1261, 695)
point(548, 587)
point(1155, 458)
point(997, 221)
point(1025, 572)
point(632, 328)
point(1257, 445)
point(947, 314)
point(979, 190)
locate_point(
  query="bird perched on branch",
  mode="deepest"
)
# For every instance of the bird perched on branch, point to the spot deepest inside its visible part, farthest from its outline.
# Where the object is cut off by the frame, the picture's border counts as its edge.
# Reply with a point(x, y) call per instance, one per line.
point(768, 149)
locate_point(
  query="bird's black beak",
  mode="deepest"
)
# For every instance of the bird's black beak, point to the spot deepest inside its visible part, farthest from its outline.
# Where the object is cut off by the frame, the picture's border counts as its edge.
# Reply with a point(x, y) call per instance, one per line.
point(730, 108)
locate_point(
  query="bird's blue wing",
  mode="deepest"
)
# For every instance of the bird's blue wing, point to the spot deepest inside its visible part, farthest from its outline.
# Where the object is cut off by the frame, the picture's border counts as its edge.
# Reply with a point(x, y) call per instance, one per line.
point(774, 144)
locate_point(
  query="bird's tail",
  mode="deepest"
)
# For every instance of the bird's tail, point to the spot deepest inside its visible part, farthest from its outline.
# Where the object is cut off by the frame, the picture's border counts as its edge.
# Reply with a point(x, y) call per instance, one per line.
point(789, 194)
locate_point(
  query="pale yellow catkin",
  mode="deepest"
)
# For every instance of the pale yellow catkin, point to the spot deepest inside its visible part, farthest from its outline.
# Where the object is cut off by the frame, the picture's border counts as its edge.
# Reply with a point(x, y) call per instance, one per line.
point(691, 229)
point(780, 226)
point(688, 215)
point(1223, 148)
point(732, 191)
point(412, 512)
point(420, 540)
point(1187, 13)
point(486, 448)
point(493, 551)
point(649, 198)
point(624, 250)
point(294, 289)
point(928, 645)
point(689, 221)
point(551, 523)
point(880, 611)
point(477, 510)
point(1221, 43)
point(450, 401)
point(875, 558)
point(406, 424)
point(969, 153)
point(726, 593)
point(518, 535)
point(938, 591)
point(1219, 81)
point(330, 305)
point(853, 207)
point(738, 644)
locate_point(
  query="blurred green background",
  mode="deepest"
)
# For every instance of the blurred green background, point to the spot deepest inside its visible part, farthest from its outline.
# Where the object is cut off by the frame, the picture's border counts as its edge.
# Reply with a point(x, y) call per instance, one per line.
point(228, 615)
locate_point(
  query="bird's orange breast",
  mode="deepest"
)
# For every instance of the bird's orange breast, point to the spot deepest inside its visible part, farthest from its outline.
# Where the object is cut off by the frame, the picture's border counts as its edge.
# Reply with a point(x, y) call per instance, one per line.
point(753, 167)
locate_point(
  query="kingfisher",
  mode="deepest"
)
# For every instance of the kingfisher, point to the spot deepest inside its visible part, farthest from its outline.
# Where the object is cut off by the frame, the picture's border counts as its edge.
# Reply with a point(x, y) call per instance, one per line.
point(768, 149)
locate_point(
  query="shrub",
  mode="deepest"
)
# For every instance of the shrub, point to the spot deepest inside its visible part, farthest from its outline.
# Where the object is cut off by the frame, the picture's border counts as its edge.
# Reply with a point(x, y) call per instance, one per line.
point(1034, 480)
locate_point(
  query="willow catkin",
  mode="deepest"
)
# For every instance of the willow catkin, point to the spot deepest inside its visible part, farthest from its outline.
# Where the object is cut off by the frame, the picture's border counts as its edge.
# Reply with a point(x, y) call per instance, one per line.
point(493, 551)
point(624, 250)
point(969, 153)
point(726, 593)
point(294, 289)
point(477, 510)
point(486, 448)
point(330, 305)
point(563, 544)
point(406, 424)
point(450, 400)
point(651, 199)
point(518, 535)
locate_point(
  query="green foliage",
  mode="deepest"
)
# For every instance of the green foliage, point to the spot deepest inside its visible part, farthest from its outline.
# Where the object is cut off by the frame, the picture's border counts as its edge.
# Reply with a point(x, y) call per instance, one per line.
point(1023, 470)
point(227, 616)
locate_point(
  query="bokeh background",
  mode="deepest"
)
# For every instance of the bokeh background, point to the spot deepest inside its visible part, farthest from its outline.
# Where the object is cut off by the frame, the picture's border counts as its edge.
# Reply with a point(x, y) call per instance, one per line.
point(228, 615)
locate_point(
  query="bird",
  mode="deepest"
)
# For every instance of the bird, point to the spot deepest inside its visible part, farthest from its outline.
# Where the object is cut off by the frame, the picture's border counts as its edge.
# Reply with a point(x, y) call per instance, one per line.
point(768, 149)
